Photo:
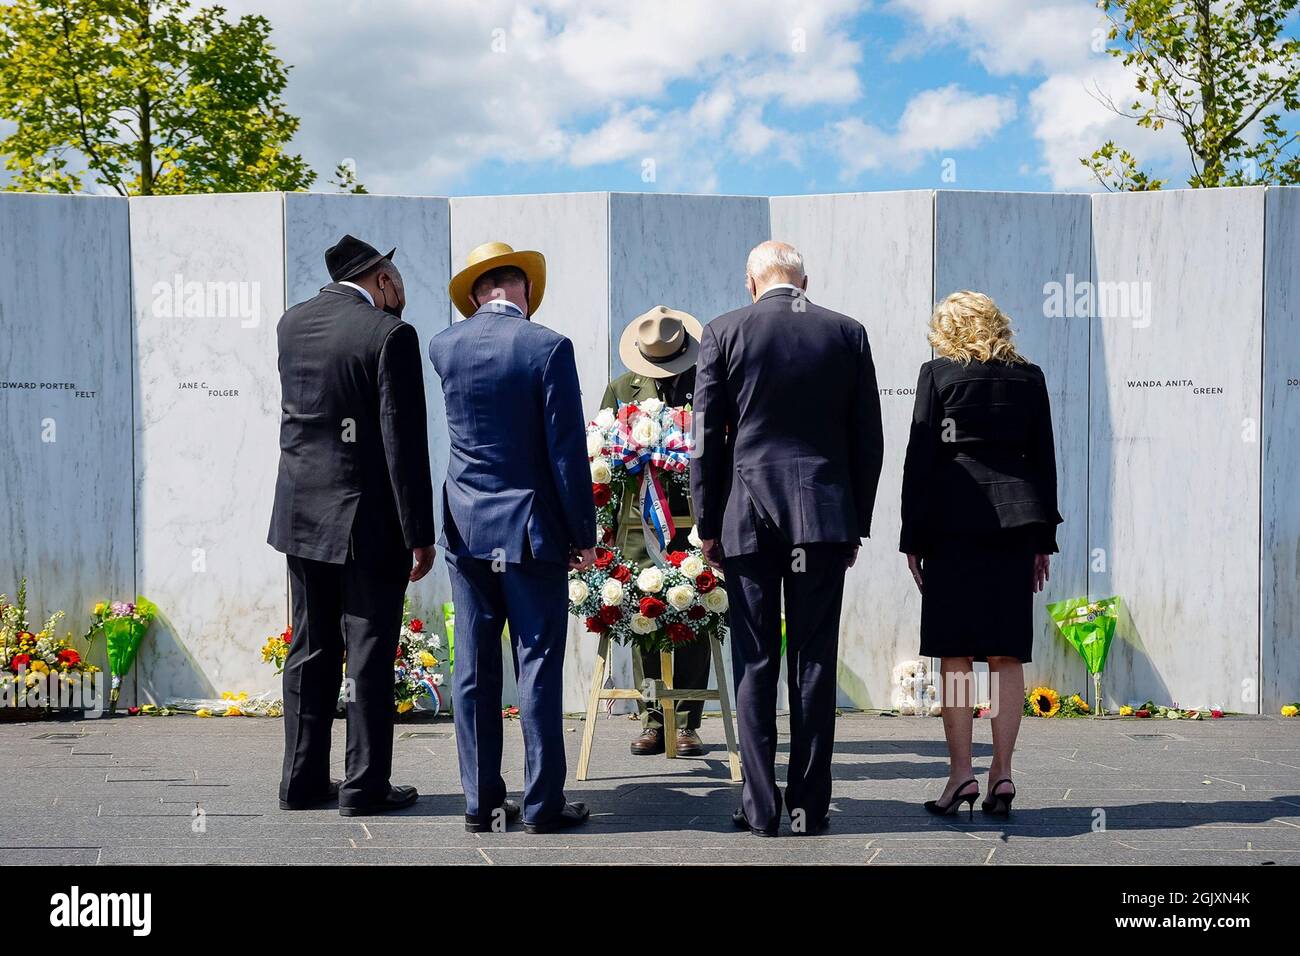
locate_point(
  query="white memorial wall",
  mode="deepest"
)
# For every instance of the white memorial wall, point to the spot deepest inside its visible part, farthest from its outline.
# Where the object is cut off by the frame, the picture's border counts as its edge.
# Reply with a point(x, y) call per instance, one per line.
point(141, 356)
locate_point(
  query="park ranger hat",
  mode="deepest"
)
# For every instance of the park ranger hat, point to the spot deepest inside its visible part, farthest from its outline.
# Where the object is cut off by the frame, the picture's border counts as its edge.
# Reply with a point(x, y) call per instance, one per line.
point(661, 343)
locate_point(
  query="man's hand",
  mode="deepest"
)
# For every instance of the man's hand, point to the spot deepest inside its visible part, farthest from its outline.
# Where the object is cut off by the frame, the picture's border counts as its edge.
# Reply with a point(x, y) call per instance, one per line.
point(852, 558)
point(712, 551)
point(422, 561)
point(1042, 571)
point(580, 559)
point(914, 565)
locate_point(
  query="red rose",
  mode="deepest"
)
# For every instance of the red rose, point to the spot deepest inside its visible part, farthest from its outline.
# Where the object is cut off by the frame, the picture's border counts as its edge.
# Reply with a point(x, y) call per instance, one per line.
point(133, 711)
point(604, 558)
point(416, 625)
point(19, 661)
point(631, 409)
point(69, 657)
point(679, 633)
point(601, 494)
point(652, 607)
point(287, 636)
point(621, 573)
point(596, 625)
point(607, 536)
point(609, 615)
point(705, 581)
point(675, 558)
point(697, 612)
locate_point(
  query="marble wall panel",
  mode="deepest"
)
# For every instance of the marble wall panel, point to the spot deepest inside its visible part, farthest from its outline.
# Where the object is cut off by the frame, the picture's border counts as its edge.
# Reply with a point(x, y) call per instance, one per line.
point(1031, 253)
point(1280, 504)
point(1174, 482)
point(420, 228)
point(208, 276)
point(871, 256)
point(65, 404)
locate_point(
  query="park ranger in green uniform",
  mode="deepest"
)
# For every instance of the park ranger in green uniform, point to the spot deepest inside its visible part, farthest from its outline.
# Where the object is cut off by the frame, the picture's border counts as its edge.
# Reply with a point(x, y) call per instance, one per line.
point(660, 348)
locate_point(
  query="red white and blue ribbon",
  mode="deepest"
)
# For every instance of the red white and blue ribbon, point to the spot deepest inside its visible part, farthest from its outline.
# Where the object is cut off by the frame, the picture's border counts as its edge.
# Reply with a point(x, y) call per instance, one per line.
point(670, 453)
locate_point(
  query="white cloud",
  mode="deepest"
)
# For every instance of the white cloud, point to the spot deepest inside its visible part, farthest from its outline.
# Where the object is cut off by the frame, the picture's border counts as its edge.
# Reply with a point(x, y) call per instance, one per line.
point(421, 91)
point(933, 121)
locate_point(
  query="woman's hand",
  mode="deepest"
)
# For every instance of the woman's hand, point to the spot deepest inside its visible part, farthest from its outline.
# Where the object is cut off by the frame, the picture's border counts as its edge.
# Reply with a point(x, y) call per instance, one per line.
point(1042, 571)
point(914, 565)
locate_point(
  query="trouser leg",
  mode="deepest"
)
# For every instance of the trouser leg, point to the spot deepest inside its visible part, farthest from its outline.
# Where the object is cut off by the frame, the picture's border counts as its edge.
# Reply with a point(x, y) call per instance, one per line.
point(312, 672)
point(537, 600)
point(477, 679)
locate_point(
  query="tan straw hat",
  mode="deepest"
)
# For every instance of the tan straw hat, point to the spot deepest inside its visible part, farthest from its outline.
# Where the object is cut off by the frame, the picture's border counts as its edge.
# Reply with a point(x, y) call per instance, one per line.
point(494, 255)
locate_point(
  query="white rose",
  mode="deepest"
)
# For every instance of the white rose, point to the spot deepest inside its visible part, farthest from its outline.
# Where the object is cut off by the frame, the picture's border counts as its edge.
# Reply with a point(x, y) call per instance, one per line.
point(651, 580)
point(693, 567)
point(595, 442)
point(600, 471)
point(612, 593)
point(682, 596)
point(643, 625)
point(645, 431)
point(578, 591)
point(604, 418)
point(716, 601)
point(693, 536)
point(651, 406)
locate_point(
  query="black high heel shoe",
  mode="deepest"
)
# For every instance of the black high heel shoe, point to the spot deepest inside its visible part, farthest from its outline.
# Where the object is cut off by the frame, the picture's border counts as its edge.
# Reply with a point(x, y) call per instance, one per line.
point(958, 798)
point(999, 804)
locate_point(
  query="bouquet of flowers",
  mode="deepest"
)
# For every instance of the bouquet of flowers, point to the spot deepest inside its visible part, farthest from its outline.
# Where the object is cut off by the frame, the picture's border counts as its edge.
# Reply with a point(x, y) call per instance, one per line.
point(276, 648)
point(123, 624)
point(28, 658)
point(656, 608)
point(643, 448)
point(416, 680)
point(415, 677)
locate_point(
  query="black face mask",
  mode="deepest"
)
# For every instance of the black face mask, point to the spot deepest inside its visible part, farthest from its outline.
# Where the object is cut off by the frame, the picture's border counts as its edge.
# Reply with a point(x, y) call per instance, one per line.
point(394, 310)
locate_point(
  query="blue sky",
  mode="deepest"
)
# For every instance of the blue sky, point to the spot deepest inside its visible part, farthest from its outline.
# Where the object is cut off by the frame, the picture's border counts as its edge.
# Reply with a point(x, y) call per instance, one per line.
point(469, 97)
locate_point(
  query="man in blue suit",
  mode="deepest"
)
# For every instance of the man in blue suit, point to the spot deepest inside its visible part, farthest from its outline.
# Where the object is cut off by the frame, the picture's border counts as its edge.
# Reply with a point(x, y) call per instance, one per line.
point(517, 514)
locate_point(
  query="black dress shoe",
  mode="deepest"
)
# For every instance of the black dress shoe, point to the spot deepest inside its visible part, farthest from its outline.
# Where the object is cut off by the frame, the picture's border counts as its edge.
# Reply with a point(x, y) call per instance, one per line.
point(330, 796)
point(398, 798)
point(741, 822)
point(573, 815)
point(483, 822)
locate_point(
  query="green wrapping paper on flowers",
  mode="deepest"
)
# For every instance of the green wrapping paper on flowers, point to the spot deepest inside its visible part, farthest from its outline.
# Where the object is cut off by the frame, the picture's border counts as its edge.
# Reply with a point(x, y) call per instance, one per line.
point(1089, 626)
point(124, 626)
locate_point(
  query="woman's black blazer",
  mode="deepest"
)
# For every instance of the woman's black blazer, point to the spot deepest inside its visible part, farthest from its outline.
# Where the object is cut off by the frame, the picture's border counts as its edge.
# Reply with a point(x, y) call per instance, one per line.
point(980, 455)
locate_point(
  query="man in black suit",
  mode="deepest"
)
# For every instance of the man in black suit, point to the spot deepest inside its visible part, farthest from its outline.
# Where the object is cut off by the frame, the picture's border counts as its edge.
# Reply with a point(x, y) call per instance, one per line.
point(354, 514)
point(789, 455)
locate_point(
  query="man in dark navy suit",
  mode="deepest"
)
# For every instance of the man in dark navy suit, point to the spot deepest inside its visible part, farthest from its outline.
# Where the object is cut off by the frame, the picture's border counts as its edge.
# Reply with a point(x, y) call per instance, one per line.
point(517, 514)
point(789, 456)
point(354, 515)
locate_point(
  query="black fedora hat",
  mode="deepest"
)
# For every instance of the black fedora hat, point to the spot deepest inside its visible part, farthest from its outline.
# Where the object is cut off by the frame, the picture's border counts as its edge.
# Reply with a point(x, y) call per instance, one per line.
point(350, 256)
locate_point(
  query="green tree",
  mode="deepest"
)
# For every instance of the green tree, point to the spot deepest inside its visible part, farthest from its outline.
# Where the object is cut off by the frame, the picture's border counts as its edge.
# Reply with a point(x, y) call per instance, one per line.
point(1223, 73)
point(143, 97)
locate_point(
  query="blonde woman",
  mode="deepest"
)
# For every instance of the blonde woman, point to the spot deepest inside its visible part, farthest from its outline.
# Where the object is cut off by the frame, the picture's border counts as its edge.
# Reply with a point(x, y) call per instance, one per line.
point(979, 524)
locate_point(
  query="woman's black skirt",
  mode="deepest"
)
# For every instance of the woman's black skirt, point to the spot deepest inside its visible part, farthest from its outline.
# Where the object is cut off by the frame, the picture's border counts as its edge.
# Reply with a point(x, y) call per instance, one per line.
point(978, 595)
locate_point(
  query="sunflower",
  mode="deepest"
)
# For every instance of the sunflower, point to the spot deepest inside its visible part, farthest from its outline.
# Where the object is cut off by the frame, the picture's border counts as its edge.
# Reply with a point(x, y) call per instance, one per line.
point(1044, 702)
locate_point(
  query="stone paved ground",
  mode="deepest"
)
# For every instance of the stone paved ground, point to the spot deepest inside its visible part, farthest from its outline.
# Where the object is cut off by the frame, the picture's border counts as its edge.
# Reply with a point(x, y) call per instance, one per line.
point(1216, 792)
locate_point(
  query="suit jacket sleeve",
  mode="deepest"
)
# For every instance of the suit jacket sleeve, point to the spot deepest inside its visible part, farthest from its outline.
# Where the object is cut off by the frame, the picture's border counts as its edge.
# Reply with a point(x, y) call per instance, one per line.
point(867, 439)
point(566, 438)
point(919, 462)
point(402, 422)
point(711, 468)
point(1044, 457)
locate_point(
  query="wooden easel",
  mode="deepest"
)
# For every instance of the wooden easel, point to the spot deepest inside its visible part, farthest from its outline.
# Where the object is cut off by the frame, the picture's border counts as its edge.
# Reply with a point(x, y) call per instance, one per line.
point(648, 691)
point(661, 690)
